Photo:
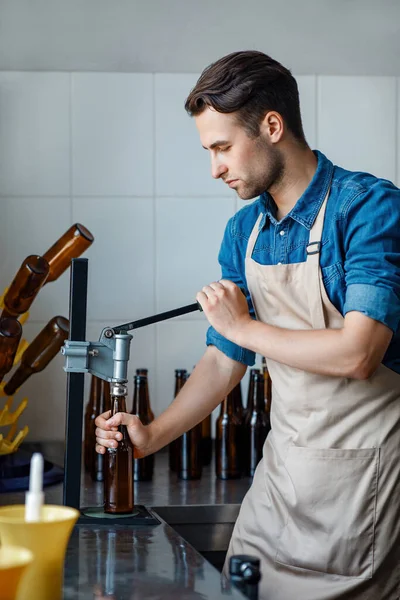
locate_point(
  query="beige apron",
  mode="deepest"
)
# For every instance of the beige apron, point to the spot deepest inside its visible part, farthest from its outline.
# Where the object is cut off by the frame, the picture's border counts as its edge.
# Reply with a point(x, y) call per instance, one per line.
point(323, 512)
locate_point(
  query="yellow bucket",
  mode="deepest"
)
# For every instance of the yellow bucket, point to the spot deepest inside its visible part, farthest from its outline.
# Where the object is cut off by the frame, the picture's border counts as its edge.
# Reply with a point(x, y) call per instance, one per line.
point(47, 539)
point(13, 562)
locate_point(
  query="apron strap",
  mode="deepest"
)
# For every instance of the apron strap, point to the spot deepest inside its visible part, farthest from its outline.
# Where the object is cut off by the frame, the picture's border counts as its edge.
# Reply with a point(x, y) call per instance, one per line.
point(313, 274)
point(314, 243)
point(253, 237)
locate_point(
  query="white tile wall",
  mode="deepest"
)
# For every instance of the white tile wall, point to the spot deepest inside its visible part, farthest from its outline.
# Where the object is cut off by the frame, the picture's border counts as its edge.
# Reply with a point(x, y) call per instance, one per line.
point(118, 153)
point(397, 152)
point(34, 134)
point(307, 85)
point(112, 134)
point(357, 123)
point(183, 167)
point(187, 246)
point(121, 259)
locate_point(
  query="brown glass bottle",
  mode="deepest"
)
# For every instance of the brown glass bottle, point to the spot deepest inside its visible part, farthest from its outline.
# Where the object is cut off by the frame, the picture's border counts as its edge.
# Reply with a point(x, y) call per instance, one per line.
point(180, 378)
point(144, 372)
point(256, 427)
point(70, 245)
point(143, 468)
point(267, 387)
point(10, 335)
point(227, 440)
point(25, 286)
point(189, 454)
point(39, 352)
point(206, 441)
point(250, 392)
point(103, 404)
point(89, 426)
point(118, 468)
point(237, 401)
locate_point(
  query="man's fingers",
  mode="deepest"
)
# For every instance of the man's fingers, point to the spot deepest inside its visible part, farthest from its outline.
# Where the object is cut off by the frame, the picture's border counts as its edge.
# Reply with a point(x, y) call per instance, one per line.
point(108, 435)
point(229, 285)
point(102, 419)
point(121, 418)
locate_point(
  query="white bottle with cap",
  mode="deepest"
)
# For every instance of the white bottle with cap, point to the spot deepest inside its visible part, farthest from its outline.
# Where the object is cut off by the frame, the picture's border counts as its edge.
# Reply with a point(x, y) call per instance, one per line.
point(35, 497)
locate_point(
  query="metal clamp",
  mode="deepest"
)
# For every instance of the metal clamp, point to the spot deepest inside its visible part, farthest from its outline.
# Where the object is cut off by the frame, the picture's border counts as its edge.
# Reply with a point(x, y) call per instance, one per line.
point(108, 358)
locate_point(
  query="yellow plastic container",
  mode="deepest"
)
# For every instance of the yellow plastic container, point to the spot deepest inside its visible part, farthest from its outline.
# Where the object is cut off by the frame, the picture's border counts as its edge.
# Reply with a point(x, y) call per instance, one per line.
point(13, 563)
point(47, 539)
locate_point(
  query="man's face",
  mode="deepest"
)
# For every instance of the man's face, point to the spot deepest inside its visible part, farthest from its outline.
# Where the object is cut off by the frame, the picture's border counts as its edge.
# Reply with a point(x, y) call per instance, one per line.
point(249, 165)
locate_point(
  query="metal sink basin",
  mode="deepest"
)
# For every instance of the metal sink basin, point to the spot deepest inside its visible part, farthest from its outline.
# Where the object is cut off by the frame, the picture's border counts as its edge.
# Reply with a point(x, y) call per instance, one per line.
point(208, 528)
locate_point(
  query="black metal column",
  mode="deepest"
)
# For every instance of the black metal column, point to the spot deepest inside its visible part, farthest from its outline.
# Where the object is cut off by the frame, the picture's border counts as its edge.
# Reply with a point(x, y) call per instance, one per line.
point(75, 386)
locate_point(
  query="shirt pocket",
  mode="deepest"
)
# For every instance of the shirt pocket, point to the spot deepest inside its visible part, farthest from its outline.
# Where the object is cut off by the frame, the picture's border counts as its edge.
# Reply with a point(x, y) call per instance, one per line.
point(333, 273)
point(331, 511)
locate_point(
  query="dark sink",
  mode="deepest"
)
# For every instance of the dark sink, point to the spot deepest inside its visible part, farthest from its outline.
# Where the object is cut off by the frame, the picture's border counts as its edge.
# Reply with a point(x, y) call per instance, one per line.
point(208, 528)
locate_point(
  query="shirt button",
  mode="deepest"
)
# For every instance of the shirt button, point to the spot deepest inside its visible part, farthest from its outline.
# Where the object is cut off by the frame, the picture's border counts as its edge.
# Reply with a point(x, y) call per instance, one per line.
point(282, 233)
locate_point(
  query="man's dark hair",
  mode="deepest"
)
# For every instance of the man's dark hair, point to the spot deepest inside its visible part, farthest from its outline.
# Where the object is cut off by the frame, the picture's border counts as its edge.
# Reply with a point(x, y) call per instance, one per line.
point(251, 84)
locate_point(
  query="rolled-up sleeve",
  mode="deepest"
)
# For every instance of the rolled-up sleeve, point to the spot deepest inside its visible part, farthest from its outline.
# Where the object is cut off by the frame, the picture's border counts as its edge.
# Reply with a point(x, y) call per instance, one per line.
point(372, 250)
point(230, 270)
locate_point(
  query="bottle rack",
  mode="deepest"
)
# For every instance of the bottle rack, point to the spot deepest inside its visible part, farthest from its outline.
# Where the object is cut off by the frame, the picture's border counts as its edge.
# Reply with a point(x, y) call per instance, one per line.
point(11, 441)
point(15, 462)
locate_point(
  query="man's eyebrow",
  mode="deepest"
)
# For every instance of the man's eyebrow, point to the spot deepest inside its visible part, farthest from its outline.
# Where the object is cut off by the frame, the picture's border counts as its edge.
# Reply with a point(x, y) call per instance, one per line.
point(216, 144)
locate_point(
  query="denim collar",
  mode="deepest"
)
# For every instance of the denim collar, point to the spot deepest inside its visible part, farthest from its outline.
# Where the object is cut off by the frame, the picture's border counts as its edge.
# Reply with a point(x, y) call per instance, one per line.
point(307, 207)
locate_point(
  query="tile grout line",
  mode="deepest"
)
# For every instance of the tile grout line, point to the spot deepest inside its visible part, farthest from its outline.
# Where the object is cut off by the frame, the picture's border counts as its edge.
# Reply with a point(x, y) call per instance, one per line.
point(71, 201)
point(155, 246)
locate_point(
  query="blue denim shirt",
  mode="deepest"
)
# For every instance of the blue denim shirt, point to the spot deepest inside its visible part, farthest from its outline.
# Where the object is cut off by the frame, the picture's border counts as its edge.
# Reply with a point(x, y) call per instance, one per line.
point(360, 252)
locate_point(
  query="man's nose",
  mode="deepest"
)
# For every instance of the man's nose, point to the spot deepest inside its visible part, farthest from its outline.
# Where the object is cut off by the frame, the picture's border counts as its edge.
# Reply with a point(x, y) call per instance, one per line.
point(218, 169)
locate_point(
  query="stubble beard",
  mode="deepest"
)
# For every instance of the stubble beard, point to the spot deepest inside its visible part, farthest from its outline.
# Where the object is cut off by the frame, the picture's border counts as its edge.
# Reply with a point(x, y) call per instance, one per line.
point(272, 171)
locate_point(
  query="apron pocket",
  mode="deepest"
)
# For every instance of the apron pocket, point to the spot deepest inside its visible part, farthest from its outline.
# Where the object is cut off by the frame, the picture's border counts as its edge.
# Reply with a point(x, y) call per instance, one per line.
point(331, 511)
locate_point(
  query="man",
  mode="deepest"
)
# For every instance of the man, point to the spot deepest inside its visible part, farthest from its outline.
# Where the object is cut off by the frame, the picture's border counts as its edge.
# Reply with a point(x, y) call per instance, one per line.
point(318, 254)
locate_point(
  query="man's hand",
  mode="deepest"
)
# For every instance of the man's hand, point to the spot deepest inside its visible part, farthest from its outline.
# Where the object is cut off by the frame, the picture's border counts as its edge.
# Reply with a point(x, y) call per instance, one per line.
point(225, 308)
point(108, 436)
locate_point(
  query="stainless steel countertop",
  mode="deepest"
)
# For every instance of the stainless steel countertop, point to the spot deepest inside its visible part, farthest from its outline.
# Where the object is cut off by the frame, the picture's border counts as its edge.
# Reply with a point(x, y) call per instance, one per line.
point(137, 562)
point(165, 488)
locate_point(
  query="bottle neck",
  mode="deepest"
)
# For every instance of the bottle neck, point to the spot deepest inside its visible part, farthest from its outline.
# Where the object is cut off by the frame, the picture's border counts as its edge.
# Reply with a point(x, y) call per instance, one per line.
point(258, 404)
point(179, 383)
point(228, 405)
point(19, 377)
point(118, 404)
point(141, 400)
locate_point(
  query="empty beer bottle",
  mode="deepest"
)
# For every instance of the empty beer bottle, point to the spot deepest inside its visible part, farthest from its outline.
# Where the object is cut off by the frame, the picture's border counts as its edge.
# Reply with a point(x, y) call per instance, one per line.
point(89, 426)
point(189, 454)
point(237, 401)
point(250, 392)
point(99, 402)
point(142, 372)
point(25, 286)
point(180, 378)
point(256, 427)
point(39, 352)
point(70, 245)
point(143, 468)
point(10, 335)
point(227, 440)
point(118, 464)
point(267, 387)
point(206, 441)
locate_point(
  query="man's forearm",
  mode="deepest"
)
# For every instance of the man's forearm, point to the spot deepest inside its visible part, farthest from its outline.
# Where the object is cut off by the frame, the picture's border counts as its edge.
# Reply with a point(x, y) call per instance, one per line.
point(346, 352)
point(213, 378)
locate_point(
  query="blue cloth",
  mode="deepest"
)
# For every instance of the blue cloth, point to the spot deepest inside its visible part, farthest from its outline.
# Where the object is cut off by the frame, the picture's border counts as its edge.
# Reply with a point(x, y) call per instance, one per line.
point(360, 252)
